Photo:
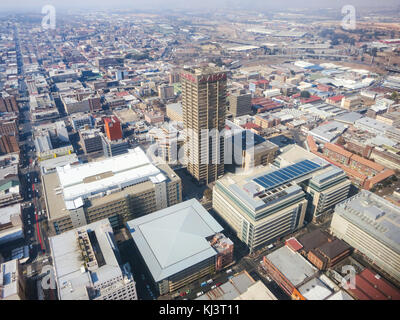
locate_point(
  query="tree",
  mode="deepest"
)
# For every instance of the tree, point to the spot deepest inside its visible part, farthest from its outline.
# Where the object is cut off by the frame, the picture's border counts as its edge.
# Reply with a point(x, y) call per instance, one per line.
point(305, 94)
point(394, 96)
point(341, 141)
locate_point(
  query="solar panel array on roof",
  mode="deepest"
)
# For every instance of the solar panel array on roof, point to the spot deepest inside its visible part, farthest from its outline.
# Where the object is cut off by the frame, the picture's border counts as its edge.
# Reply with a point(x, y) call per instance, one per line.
point(289, 173)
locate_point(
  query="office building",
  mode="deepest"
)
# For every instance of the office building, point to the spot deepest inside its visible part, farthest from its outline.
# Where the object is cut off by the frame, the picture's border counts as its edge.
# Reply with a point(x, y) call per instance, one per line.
point(370, 224)
point(8, 144)
point(43, 107)
point(9, 180)
point(248, 150)
point(166, 92)
point(10, 223)
point(50, 165)
point(87, 265)
point(9, 124)
point(174, 111)
point(112, 128)
point(91, 140)
point(112, 148)
point(12, 283)
point(239, 104)
point(119, 188)
point(8, 103)
point(266, 204)
point(204, 110)
point(179, 245)
point(81, 120)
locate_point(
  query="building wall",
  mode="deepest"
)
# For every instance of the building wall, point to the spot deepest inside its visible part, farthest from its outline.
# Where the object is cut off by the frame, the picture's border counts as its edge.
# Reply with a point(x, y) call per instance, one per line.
point(113, 129)
point(321, 201)
point(381, 255)
point(8, 104)
point(240, 105)
point(204, 108)
point(8, 144)
point(131, 203)
point(257, 233)
point(8, 128)
point(187, 276)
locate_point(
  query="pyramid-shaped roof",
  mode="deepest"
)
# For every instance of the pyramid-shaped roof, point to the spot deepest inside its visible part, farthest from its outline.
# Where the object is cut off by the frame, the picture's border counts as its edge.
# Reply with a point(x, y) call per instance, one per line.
point(173, 239)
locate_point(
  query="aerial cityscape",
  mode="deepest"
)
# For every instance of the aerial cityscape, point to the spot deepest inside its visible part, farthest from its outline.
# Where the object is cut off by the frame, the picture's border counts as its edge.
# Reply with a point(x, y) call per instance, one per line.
point(223, 150)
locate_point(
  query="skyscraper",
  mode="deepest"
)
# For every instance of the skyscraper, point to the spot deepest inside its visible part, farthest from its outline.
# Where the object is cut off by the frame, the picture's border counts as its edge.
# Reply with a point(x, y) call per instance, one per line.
point(204, 109)
point(113, 128)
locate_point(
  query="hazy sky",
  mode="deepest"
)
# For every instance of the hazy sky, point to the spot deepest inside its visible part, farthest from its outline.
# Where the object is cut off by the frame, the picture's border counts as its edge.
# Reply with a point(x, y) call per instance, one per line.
point(36, 5)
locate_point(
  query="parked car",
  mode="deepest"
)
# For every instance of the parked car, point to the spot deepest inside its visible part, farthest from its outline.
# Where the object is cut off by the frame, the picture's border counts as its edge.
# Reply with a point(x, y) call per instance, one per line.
point(213, 287)
point(199, 293)
point(218, 284)
point(229, 271)
point(182, 294)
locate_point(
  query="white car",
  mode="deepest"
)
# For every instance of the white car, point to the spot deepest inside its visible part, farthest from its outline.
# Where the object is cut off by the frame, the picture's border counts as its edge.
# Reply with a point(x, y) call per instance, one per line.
point(29, 221)
point(29, 231)
point(213, 287)
point(199, 293)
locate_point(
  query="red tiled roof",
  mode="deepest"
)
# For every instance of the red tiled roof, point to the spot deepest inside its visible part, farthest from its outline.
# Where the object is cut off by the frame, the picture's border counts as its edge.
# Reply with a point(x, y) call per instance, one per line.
point(379, 177)
point(335, 98)
point(337, 149)
point(368, 163)
point(369, 289)
point(359, 294)
point(311, 99)
point(381, 284)
point(122, 94)
point(250, 125)
point(293, 244)
point(261, 81)
point(311, 143)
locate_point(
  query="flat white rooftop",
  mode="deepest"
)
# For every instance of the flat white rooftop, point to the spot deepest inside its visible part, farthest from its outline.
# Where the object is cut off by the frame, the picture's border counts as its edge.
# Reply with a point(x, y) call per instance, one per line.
point(72, 280)
point(85, 180)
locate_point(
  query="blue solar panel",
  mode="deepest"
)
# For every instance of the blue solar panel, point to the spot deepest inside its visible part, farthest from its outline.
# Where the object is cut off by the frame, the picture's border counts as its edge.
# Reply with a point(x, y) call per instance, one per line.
point(281, 176)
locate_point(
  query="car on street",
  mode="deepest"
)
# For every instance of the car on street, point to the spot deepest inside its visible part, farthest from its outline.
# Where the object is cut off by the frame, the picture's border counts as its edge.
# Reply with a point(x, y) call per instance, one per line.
point(229, 271)
point(199, 293)
point(218, 284)
point(182, 294)
point(213, 287)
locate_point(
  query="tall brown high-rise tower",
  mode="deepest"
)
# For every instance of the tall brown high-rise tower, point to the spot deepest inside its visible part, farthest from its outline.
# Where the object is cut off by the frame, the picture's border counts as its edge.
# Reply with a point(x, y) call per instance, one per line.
point(204, 109)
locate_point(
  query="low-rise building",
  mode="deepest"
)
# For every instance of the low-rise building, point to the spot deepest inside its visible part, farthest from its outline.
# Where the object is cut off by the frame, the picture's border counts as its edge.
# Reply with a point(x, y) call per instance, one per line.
point(240, 287)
